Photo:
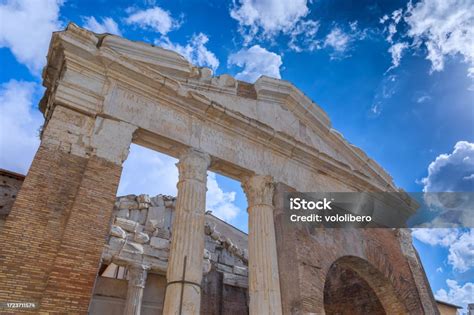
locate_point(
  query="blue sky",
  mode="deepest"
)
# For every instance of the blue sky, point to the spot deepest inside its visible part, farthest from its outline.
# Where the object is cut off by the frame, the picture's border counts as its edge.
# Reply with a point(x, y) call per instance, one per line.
point(395, 77)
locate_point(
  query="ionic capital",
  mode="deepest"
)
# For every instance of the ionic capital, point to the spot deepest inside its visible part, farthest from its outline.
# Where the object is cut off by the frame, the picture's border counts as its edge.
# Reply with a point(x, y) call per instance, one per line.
point(259, 190)
point(193, 164)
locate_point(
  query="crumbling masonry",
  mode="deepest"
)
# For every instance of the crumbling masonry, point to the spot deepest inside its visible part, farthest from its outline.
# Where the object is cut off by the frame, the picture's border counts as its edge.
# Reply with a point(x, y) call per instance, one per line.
point(104, 92)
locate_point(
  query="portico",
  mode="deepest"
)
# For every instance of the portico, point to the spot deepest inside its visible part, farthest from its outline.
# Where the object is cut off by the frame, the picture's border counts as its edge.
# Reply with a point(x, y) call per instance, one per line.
point(104, 92)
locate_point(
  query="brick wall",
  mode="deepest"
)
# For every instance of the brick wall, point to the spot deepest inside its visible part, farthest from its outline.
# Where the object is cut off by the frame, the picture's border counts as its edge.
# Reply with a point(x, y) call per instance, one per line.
point(54, 235)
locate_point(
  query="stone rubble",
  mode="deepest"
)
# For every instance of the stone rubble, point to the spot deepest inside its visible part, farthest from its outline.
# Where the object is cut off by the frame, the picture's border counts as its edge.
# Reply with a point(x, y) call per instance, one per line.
point(141, 234)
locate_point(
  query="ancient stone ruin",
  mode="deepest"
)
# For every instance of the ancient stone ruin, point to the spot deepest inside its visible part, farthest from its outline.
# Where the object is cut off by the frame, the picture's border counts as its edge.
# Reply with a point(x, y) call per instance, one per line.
point(104, 92)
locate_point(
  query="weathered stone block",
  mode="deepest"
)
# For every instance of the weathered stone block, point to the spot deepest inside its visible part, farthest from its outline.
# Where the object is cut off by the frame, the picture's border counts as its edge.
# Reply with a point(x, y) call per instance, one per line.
point(127, 225)
point(141, 238)
point(159, 243)
point(224, 268)
point(157, 201)
point(118, 231)
point(242, 271)
point(235, 280)
point(128, 204)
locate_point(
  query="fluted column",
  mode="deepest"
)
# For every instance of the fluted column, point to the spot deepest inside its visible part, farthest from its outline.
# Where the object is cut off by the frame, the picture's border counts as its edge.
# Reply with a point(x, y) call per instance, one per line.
point(187, 241)
point(136, 284)
point(264, 282)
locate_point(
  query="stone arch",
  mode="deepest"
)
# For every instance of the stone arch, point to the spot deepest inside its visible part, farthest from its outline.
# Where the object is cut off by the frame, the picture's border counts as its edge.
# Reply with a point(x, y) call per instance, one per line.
point(354, 286)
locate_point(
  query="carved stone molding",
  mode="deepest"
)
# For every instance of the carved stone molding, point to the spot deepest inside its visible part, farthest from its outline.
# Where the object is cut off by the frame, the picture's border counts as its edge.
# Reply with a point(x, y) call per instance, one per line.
point(85, 136)
point(259, 190)
point(193, 164)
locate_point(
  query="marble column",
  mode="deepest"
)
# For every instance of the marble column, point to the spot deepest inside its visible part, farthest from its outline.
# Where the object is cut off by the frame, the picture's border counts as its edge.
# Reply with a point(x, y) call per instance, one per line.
point(136, 284)
point(264, 282)
point(187, 240)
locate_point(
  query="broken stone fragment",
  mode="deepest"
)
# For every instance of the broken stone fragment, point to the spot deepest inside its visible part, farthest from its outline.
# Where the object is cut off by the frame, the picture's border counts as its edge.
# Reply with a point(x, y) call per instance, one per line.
point(123, 213)
point(157, 201)
point(141, 237)
point(143, 205)
point(117, 231)
point(216, 235)
point(159, 243)
point(208, 229)
point(207, 254)
point(144, 198)
point(128, 204)
point(134, 247)
point(206, 266)
point(127, 225)
point(116, 243)
point(169, 203)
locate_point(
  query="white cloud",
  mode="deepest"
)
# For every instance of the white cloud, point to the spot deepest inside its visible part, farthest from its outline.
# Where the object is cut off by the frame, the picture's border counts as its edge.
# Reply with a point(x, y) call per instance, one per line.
point(26, 27)
point(456, 294)
point(439, 269)
point(269, 17)
point(444, 27)
point(219, 202)
point(195, 50)
point(460, 244)
point(19, 125)
point(341, 39)
point(155, 19)
point(256, 61)
point(148, 172)
point(434, 237)
point(461, 252)
point(337, 39)
point(108, 25)
point(396, 51)
point(447, 171)
point(266, 19)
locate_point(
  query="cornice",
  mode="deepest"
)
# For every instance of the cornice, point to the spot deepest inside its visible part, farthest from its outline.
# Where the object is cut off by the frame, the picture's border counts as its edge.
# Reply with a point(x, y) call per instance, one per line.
point(148, 71)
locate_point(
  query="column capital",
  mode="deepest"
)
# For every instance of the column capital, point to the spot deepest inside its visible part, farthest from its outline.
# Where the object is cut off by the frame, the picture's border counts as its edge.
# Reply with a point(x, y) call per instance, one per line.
point(137, 275)
point(259, 190)
point(193, 164)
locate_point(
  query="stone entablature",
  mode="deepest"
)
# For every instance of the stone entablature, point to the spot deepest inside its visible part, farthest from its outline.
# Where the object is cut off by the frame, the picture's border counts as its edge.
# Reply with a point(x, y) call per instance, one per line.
point(139, 85)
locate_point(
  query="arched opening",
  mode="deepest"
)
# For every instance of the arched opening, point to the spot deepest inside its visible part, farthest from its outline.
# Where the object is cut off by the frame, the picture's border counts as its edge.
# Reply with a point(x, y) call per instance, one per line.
point(353, 286)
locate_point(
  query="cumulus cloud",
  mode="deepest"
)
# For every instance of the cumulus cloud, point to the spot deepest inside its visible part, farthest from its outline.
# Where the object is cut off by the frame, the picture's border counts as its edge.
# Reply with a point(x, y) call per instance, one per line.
point(108, 25)
point(445, 28)
point(268, 19)
point(448, 172)
point(459, 242)
point(20, 122)
point(461, 252)
point(457, 294)
point(195, 50)
point(26, 27)
point(256, 61)
point(442, 237)
point(156, 19)
point(219, 202)
point(149, 172)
